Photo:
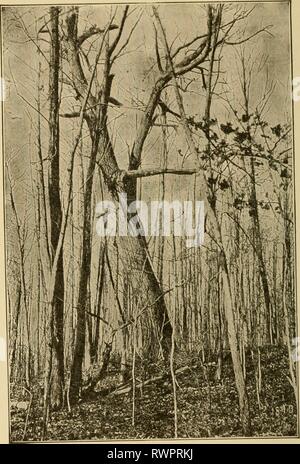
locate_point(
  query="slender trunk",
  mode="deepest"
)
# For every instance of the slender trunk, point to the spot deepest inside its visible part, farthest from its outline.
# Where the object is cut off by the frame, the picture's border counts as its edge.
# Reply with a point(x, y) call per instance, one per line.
point(85, 268)
point(255, 216)
point(57, 310)
point(260, 256)
point(14, 330)
point(164, 164)
point(100, 279)
point(21, 246)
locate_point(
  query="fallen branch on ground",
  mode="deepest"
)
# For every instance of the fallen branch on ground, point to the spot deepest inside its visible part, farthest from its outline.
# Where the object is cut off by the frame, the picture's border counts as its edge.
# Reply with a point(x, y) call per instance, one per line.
point(127, 389)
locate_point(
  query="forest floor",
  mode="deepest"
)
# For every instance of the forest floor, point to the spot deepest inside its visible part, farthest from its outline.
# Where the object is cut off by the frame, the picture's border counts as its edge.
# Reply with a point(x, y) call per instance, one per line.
point(206, 408)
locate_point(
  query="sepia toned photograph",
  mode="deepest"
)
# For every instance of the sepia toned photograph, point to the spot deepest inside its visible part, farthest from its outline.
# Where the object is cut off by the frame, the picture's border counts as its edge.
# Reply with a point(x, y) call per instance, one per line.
point(149, 201)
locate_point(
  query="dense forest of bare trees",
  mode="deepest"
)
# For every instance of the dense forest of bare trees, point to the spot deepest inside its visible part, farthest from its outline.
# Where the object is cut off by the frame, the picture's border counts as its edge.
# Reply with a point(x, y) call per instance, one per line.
point(176, 102)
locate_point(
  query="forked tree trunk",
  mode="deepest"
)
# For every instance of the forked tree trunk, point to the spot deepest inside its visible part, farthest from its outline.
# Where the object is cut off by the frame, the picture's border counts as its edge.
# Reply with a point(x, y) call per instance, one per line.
point(132, 249)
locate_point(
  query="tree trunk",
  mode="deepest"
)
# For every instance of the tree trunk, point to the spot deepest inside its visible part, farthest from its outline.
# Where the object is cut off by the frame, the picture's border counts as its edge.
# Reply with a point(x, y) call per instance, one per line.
point(260, 256)
point(98, 303)
point(57, 317)
point(14, 331)
point(85, 270)
point(133, 249)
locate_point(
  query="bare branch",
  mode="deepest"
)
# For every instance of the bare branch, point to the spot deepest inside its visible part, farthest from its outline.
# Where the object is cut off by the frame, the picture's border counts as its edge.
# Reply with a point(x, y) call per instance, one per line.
point(264, 29)
point(157, 52)
point(155, 172)
point(93, 30)
point(127, 40)
point(185, 65)
point(188, 44)
point(117, 39)
point(75, 114)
